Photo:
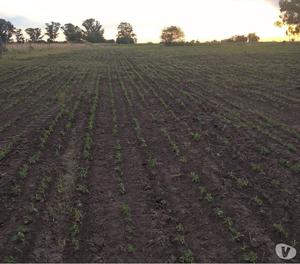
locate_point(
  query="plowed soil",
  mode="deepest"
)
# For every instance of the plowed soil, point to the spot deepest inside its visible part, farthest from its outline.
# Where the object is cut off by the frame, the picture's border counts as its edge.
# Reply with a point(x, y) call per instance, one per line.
point(150, 154)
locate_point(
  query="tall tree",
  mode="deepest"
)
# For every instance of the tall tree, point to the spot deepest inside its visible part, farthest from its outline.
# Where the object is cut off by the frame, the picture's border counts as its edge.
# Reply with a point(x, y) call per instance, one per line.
point(252, 37)
point(52, 30)
point(172, 35)
point(6, 30)
point(93, 31)
point(72, 33)
point(19, 36)
point(35, 34)
point(290, 16)
point(125, 34)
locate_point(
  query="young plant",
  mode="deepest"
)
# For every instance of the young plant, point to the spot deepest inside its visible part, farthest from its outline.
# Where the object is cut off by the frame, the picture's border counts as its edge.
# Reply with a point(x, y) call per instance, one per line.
point(187, 257)
point(131, 248)
point(20, 236)
point(258, 201)
point(152, 163)
point(23, 171)
point(10, 259)
point(257, 168)
point(195, 177)
point(280, 229)
point(125, 210)
point(195, 136)
point(249, 257)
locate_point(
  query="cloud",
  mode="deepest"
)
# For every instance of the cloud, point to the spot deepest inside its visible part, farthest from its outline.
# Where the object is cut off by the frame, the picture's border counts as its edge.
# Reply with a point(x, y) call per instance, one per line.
point(22, 22)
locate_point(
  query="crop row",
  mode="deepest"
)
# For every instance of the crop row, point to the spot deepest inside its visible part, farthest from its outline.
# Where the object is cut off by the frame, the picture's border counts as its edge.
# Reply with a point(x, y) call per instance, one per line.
point(186, 254)
point(244, 183)
point(191, 98)
point(33, 210)
point(239, 181)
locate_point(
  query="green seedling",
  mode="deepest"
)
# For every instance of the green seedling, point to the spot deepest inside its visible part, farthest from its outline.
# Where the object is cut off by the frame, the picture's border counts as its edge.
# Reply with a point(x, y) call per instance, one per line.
point(16, 190)
point(224, 140)
point(10, 259)
point(202, 190)
point(118, 157)
point(33, 209)
point(228, 222)
point(296, 167)
point(179, 228)
point(264, 151)
point(183, 159)
point(122, 188)
point(152, 163)
point(27, 219)
point(130, 229)
point(87, 146)
point(180, 239)
point(125, 210)
point(280, 229)
point(58, 149)
point(242, 182)
point(195, 177)
point(77, 216)
point(275, 182)
point(40, 194)
point(20, 236)
point(187, 257)
point(75, 229)
point(61, 185)
point(249, 257)
point(118, 146)
point(82, 188)
point(258, 201)
point(257, 168)
point(196, 136)
point(23, 171)
point(35, 157)
point(83, 172)
point(219, 212)
point(2, 154)
point(235, 235)
point(208, 197)
point(131, 248)
point(118, 170)
point(284, 163)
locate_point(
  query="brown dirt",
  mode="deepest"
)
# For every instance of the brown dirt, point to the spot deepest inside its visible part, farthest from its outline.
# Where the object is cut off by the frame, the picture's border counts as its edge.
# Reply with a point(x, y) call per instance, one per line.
point(246, 156)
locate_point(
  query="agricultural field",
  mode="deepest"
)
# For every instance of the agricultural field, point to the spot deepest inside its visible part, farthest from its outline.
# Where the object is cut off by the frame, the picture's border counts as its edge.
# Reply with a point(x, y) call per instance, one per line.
point(150, 154)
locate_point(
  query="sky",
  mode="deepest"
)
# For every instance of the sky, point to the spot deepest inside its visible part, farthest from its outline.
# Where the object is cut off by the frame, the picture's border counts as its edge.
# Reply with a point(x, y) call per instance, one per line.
point(202, 20)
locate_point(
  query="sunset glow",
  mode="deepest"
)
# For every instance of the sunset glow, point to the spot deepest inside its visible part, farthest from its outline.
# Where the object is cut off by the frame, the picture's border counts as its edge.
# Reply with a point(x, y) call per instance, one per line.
point(200, 19)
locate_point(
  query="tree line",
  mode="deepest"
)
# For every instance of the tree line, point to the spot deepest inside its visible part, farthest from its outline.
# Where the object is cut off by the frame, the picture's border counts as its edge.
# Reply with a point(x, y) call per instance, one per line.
point(92, 31)
point(174, 35)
